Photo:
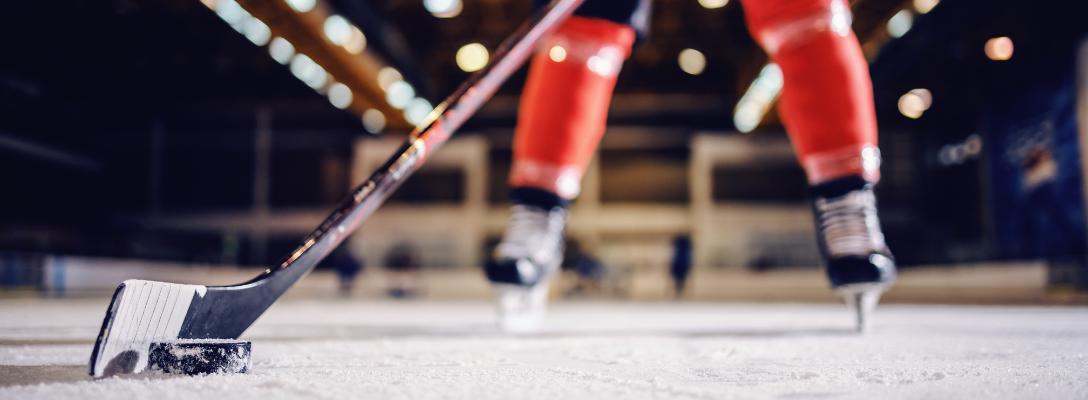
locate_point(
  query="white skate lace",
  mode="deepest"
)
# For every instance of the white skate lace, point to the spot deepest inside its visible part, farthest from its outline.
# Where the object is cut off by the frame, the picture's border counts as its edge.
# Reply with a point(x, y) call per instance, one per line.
point(849, 224)
point(534, 233)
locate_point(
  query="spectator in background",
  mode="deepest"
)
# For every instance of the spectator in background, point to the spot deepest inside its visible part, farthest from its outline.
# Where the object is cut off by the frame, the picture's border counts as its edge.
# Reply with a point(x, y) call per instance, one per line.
point(680, 266)
point(348, 266)
point(404, 265)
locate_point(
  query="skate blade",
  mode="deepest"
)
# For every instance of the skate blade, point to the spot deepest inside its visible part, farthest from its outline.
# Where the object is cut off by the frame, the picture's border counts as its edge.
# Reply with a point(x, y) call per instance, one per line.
point(521, 308)
point(862, 298)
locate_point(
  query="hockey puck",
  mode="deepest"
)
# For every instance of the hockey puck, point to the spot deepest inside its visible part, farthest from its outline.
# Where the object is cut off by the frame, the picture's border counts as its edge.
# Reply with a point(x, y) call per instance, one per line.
point(200, 356)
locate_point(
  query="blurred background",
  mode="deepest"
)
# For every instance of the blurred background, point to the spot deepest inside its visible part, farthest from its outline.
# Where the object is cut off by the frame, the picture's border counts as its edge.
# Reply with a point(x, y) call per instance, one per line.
point(197, 141)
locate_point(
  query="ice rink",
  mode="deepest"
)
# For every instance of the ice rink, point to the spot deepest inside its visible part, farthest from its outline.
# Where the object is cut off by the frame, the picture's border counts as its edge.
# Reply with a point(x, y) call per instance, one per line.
point(327, 349)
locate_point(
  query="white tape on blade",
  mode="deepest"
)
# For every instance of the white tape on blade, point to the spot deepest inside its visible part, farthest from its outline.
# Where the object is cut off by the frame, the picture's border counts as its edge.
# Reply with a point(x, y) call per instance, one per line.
point(146, 312)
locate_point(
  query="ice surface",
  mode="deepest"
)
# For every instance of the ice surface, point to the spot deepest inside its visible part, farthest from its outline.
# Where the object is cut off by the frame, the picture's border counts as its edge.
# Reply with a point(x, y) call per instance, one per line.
point(428, 350)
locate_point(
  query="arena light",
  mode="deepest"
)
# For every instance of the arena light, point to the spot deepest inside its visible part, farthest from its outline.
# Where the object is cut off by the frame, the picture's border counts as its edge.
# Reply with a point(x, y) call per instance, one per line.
point(444, 8)
point(692, 61)
point(342, 33)
point(281, 50)
point(959, 153)
point(256, 31)
point(302, 50)
point(712, 4)
point(386, 77)
point(356, 42)
point(900, 23)
point(340, 95)
point(606, 62)
point(306, 70)
point(923, 6)
point(373, 121)
point(399, 94)
point(915, 102)
point(999, 48)
point(417, 110)
point(337, 29)
point(557, 53)
point(472, 57)
point(758, 99)
point(602, 66)
point(302, 5)
point(232, 12)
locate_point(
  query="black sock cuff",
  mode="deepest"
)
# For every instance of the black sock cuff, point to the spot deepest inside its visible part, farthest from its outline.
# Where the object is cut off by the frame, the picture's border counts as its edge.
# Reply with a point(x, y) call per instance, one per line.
point(531, 196)
point(840, 187)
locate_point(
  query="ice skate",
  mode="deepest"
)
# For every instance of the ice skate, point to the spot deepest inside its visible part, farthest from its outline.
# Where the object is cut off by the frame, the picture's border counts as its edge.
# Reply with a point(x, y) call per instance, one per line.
point(524, 264)
point(859, 265)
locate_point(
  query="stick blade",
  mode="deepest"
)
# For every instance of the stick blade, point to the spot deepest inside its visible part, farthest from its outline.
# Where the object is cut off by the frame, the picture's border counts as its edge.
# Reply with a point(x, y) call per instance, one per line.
point(141, 312)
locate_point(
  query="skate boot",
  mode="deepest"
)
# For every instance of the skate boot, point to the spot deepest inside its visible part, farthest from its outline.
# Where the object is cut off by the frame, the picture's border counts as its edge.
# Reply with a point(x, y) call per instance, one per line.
point(528, 258)
point(859, 264)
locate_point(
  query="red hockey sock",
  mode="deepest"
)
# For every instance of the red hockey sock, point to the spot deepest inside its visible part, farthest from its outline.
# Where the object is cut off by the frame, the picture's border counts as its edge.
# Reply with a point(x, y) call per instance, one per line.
point(827, 96)
point(564, 105)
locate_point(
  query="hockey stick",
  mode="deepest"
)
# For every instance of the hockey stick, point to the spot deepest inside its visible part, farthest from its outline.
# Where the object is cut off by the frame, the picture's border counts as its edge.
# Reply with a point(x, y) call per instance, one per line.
point(143, 312)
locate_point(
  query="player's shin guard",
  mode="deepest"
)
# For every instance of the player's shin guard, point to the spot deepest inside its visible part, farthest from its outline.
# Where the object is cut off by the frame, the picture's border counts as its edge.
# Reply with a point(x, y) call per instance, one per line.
point(827, 97)
point(565, 104)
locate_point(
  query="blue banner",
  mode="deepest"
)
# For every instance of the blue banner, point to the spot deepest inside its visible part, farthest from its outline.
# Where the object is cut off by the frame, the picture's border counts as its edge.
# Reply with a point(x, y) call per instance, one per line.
point(1036, 183)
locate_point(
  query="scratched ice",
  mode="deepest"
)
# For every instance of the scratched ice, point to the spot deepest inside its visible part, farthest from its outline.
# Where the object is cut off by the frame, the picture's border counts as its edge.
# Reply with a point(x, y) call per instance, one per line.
point(436, 350)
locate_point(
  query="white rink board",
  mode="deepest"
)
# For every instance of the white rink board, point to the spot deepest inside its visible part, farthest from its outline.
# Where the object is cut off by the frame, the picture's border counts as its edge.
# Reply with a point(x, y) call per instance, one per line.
point(430, 350)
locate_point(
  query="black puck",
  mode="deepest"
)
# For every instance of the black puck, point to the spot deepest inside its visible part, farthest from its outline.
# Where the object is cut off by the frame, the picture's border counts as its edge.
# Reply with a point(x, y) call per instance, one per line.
point(200, 356)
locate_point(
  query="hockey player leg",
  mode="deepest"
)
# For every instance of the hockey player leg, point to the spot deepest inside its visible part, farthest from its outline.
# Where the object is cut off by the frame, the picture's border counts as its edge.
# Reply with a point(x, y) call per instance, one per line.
point(827, 108)
point(560, 122)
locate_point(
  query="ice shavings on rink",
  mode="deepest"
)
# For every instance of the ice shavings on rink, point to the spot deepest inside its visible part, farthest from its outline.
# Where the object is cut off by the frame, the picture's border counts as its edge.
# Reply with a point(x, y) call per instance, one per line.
point(422, 350)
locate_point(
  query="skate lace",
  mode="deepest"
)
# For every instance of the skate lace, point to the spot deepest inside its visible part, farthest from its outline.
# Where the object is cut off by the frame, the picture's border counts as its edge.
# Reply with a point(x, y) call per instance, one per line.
point(534, 233)
point(849, 224)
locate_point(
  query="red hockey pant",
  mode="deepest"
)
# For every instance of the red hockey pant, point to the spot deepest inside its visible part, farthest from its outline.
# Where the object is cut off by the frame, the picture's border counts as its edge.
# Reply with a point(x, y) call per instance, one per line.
point(826, 102)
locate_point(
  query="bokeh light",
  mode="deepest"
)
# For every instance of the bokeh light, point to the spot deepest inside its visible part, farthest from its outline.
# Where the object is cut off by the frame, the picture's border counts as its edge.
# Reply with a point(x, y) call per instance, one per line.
point(417, 110)
point(308, 71)
point(356, 42)
point(692, 61)
point(914, 103)
point(999, 48)
point(472, 57)
point(386, 77)
point(281, 50)
point(758, 99)
point(230, 11)
point(337, 29)
point(373, 121)
point(600, 65)
point(399, 94)
point(444, 8)
point(302, 5)
point(900, 23)
point(256, 31)
point(340, 95)
point(606, 62)
point(923, 6)
point(712, 4)
point(958, 153)
point(557, 53)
